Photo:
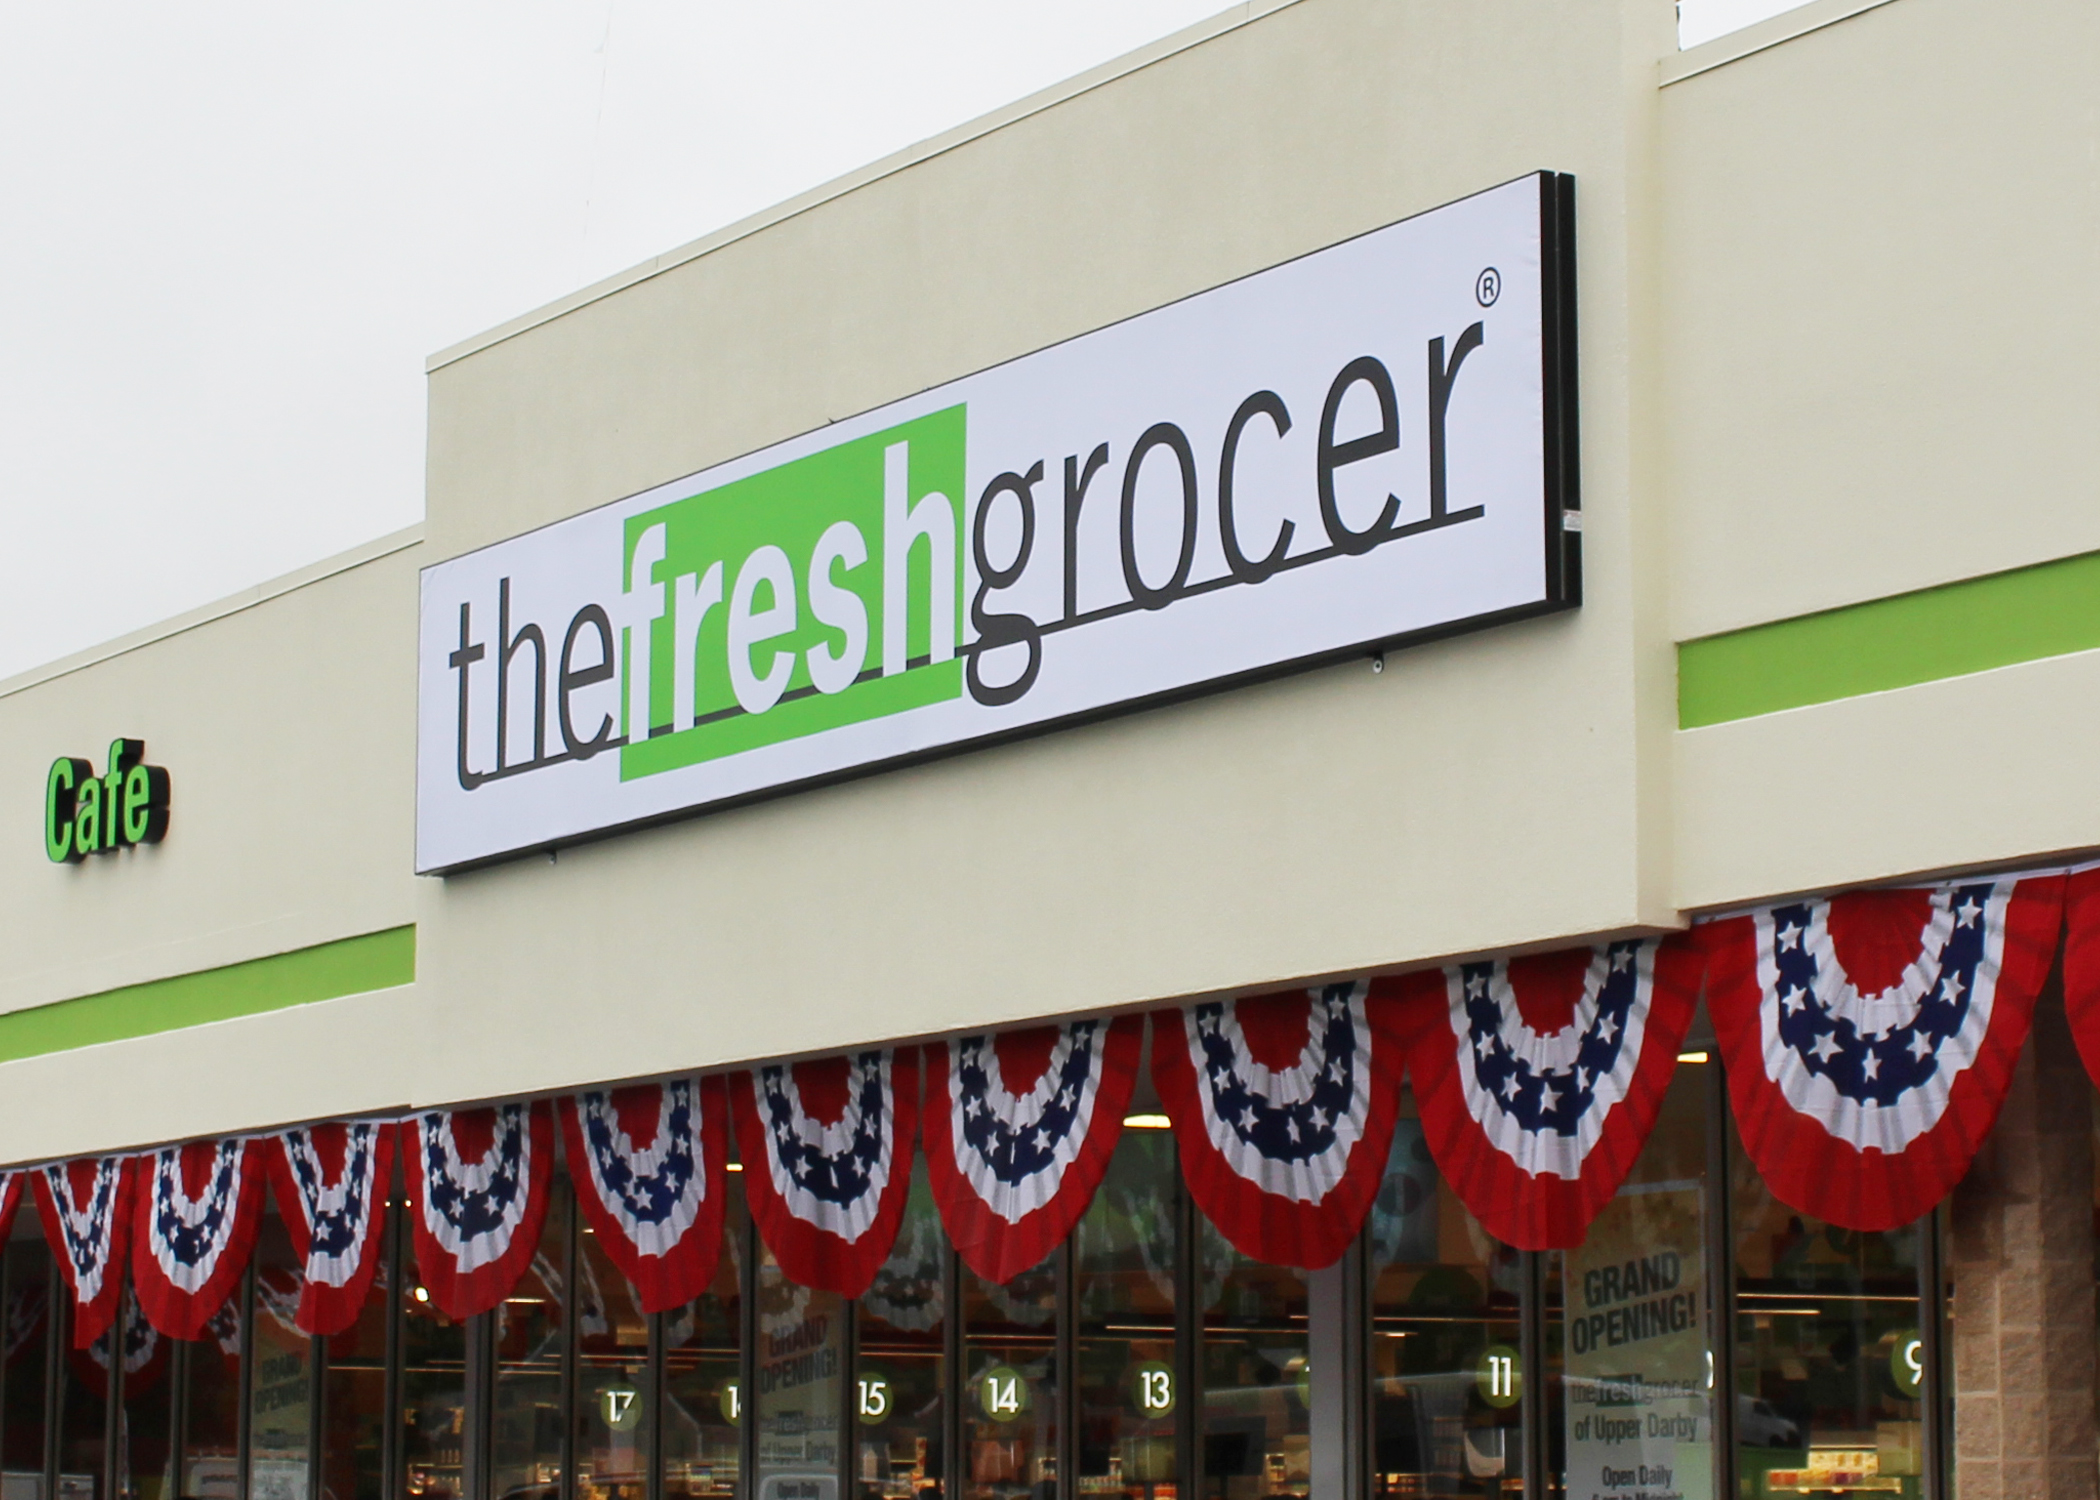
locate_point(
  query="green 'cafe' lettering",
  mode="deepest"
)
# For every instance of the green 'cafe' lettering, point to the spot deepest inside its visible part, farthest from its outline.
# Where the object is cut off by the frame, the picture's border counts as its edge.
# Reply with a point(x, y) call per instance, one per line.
point(88, 814)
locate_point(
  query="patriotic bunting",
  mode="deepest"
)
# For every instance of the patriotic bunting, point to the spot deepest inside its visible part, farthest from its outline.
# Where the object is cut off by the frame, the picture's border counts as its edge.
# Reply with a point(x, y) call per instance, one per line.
point(827, 1161)
point(331, 1184)
point(10, 1200)
point(2082, 965)
point(1539, 1078)
point(145, 1355)
point(1019, 1128)
point(1870, 1037)
point(83, 1205)
point(648, 1166)
point(199, 1205)
point(477, 1193)
point(1283, 1109)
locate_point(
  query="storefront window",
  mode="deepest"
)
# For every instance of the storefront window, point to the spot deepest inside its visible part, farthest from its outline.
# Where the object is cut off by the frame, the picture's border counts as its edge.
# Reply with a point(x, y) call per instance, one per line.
point(703, 1395)
point(25, 1305)
point(798, 1376)
point(280, 1403)
point(144, 1450)
point(354, 1397)
point(1010, 1402)
point(1445, 1366)
point(1630, 1371)
point(211, 1408)
point(1829, 1352)
point(1125, 1250)
point(898, 1400)
point(433, 1396)
point(525, 1436)
point(613, 1397)
point(702, 1375)
point(1257, 1384)
point(83, 1417)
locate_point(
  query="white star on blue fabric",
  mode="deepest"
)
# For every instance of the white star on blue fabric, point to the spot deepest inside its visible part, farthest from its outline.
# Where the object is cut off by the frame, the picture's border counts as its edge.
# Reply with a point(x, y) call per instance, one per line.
point(1951, 989)
point(1967, 913)
point(1871, 1068)
point(1790, 937)
point(1620, 960)
point(1510, 1088)
point(1549, 1099)
point(1920, 1047)
point(1790, 999)
point(1607, 1028)
point(1483, 1045)
point(1826, 1047)
point(1476, 986)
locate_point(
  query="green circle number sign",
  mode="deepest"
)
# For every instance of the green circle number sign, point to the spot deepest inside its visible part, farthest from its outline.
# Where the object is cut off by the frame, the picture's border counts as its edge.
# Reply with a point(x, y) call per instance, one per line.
point(1002, 1393)
point(1499, 1376)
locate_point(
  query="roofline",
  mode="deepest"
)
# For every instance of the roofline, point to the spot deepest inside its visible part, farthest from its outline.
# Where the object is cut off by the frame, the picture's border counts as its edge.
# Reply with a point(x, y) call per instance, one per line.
point(232, 604)
point(1230, 19)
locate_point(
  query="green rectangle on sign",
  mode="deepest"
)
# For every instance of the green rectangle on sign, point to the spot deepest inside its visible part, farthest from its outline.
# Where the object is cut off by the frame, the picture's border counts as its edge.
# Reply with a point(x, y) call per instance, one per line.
point(781, 589)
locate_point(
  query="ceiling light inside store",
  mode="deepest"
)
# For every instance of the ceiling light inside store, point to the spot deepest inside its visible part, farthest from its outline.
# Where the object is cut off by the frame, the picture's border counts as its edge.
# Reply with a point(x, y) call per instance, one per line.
point(1147, 1122)
point(732, 1166)
point(1692, 1057)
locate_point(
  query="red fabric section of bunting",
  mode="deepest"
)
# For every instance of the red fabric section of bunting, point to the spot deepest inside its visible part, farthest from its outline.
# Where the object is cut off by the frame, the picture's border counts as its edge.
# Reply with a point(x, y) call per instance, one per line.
point(826, 1149)
point(1283, 1108)
point(10, 1200)
point(477, 1195)
point(1870, 1038)
point(331, 1181)
point(197, 1207)
point(2082, 965)
point(1540, 1078)
point(648, 1163)
point(85, 1206)
point(1019, 1128)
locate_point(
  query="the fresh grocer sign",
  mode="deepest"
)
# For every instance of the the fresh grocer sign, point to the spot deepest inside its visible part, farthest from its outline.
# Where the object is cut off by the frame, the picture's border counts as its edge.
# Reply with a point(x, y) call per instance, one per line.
point(1370, 444)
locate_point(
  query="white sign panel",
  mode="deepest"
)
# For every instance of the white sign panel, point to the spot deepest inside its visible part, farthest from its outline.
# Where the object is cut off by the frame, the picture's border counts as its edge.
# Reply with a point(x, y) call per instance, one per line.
point(1366, 445)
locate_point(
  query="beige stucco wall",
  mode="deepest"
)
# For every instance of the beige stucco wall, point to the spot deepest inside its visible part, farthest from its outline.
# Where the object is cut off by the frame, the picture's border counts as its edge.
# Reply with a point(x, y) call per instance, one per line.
point(1834, 296)
point(1880, 286)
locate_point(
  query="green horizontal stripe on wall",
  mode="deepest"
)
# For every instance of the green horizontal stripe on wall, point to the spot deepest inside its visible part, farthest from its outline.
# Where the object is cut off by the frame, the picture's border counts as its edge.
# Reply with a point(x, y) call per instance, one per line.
point(376, 961)
point(2050, 609)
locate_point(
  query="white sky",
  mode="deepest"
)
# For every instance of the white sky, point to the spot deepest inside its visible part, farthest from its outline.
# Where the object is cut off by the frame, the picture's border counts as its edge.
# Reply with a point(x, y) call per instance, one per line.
point(234, 230)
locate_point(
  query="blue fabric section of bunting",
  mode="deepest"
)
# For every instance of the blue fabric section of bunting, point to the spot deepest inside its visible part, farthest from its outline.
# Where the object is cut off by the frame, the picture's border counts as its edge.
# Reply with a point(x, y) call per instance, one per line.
point(1297, 1131)
point(843, 1179)
point(1877, 1070)
point(1556, 1100)
point(336, 1234)
point(193, 1244)
point(1017, 1154)
point(475, 1213)
point(654, 1198)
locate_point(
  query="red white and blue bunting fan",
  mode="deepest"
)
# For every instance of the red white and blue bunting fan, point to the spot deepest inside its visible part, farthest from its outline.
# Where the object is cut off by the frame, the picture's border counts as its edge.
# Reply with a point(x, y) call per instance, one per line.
point(198, 1208)
point(827, 1148)
point(648, 1166)
point(2082, 965)
point(10, 1200)
point(477, 1195)
point(1870, 1037)
point(331, 1183)
point(1283, 1109)
point(85, 1208)
point(1018, 1130)
point(145, 1355)
point(1539, 1078)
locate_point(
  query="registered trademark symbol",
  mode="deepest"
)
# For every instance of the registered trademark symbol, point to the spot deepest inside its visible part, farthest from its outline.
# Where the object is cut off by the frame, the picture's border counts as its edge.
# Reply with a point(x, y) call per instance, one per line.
point(1488, 287)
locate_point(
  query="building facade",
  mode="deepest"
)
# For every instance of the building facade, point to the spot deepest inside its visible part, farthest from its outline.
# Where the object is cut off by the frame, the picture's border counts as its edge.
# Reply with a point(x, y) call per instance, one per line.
point(1573, 979)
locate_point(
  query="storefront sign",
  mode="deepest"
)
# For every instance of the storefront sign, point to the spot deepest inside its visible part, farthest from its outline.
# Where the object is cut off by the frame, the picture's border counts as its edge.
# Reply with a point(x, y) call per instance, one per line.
point(1639, 1402)
point(88, 814)
point(1369, 445)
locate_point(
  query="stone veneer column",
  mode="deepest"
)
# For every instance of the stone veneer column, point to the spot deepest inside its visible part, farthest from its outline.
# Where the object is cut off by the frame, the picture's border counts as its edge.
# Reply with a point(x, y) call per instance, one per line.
point(2020, 1257)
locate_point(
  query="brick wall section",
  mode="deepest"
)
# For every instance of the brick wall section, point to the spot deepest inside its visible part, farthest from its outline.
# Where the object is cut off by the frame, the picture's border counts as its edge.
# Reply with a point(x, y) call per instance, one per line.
point(2021, 1258)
